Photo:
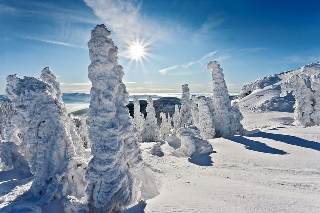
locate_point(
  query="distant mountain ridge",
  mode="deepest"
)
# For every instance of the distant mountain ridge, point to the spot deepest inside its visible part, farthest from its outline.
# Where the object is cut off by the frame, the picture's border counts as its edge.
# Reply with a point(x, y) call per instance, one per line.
point(264, 93)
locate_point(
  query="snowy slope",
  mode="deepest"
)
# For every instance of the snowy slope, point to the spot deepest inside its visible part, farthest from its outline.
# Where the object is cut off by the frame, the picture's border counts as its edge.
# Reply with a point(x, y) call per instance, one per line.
point(276, 170)
point(264, 94)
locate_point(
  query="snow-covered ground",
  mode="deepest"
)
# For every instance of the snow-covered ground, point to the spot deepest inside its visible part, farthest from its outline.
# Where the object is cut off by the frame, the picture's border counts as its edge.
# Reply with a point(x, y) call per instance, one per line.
point(275, 170)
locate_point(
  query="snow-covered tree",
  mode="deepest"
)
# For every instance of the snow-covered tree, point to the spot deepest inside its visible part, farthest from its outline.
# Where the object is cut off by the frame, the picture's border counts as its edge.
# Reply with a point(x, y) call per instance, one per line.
point(206, 119)
point(165, 126)
point(48, 145)
point(176, 119)
point(315, 84)
point(138, 118)
point(185, 111)
point(224, 123)
point(303, 108)
point(117, 160)
point(6, 112)
point(237, 118)
point(10, 157)
point(82, 128)
point(150, 131)
point(195, 110)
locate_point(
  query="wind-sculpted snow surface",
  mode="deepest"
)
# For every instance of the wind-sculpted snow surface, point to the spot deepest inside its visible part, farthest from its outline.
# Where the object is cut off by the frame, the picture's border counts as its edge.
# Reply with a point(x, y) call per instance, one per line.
point(116, 165)
point(224, 122)
point(150, 131)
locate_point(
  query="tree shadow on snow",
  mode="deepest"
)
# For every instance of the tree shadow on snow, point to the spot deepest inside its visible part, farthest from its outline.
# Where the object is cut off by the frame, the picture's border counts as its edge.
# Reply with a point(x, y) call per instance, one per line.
point(139, 208)
point(256, 145)
point(203, 159)
point(292, 140)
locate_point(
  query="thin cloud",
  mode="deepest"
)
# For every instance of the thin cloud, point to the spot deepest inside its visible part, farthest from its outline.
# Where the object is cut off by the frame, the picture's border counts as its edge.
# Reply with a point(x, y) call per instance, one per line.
point(164, 71)
point(201, 59)
point(129, 82)
point(251, 50)
point(54, 42)
point(206, 31)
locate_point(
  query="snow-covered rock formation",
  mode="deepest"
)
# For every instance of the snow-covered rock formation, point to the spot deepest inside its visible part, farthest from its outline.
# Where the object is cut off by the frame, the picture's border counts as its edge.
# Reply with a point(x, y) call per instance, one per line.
point(185, 110)
point(303, 107)
point(150, 131)
point(206, 123)
point(138, 118)
point(264, 94)
point(224, 122)
point(116, 163)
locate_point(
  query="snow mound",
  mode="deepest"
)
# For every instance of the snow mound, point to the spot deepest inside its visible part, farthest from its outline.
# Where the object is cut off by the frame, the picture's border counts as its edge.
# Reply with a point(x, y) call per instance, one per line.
point(264, 94)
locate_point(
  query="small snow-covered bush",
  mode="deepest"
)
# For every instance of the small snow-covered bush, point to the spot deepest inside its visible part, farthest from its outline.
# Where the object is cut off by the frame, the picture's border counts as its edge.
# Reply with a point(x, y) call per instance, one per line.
point(10, 157)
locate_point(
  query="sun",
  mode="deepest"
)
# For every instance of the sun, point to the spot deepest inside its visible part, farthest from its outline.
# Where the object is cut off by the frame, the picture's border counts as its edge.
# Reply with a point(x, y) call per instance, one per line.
point(137, 51)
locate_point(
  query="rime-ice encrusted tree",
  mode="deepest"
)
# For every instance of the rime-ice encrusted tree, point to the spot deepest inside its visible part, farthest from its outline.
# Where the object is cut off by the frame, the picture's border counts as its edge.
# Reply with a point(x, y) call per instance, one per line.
point(185, 111)
point(237, 117)
point(46, 135)
point(303, 108)
point(6, 112)
point(206, 119)
point(176, 119)
point(195, 110)
point(138, 119)
point(224, 123)
point(315, 84)
point(165, 126)
point(82, 128)
point(112, 171)
point(150, 131)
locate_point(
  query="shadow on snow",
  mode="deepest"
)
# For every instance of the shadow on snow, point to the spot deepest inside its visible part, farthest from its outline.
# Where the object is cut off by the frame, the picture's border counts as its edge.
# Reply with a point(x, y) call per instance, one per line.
point(256, 145)
point(292, 140)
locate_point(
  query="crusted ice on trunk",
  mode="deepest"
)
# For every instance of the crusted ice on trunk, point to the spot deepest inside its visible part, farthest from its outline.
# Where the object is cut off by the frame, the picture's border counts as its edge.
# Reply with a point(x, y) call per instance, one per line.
point(116, 164)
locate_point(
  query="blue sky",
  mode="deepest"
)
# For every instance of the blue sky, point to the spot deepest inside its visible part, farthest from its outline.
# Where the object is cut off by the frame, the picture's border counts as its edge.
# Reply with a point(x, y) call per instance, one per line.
point(250, 39)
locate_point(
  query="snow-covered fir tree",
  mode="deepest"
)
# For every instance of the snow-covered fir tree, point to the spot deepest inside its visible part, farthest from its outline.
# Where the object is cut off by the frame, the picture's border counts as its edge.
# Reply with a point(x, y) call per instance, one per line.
point(237, 118)
point(195, 110)
point(48, 145)
point(176, 119)
point(224, 123)
point(206, 119)
point(315, 84)
point(6, 112)
point(185, 110)
point(138, 118)
point(117, 160)
point(165, 126)
point(303, 107)
point(82, 128)
point(150, 131)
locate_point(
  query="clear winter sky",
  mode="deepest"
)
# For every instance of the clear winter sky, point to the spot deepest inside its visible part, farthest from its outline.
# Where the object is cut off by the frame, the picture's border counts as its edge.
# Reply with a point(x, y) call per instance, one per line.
point(250, 38)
